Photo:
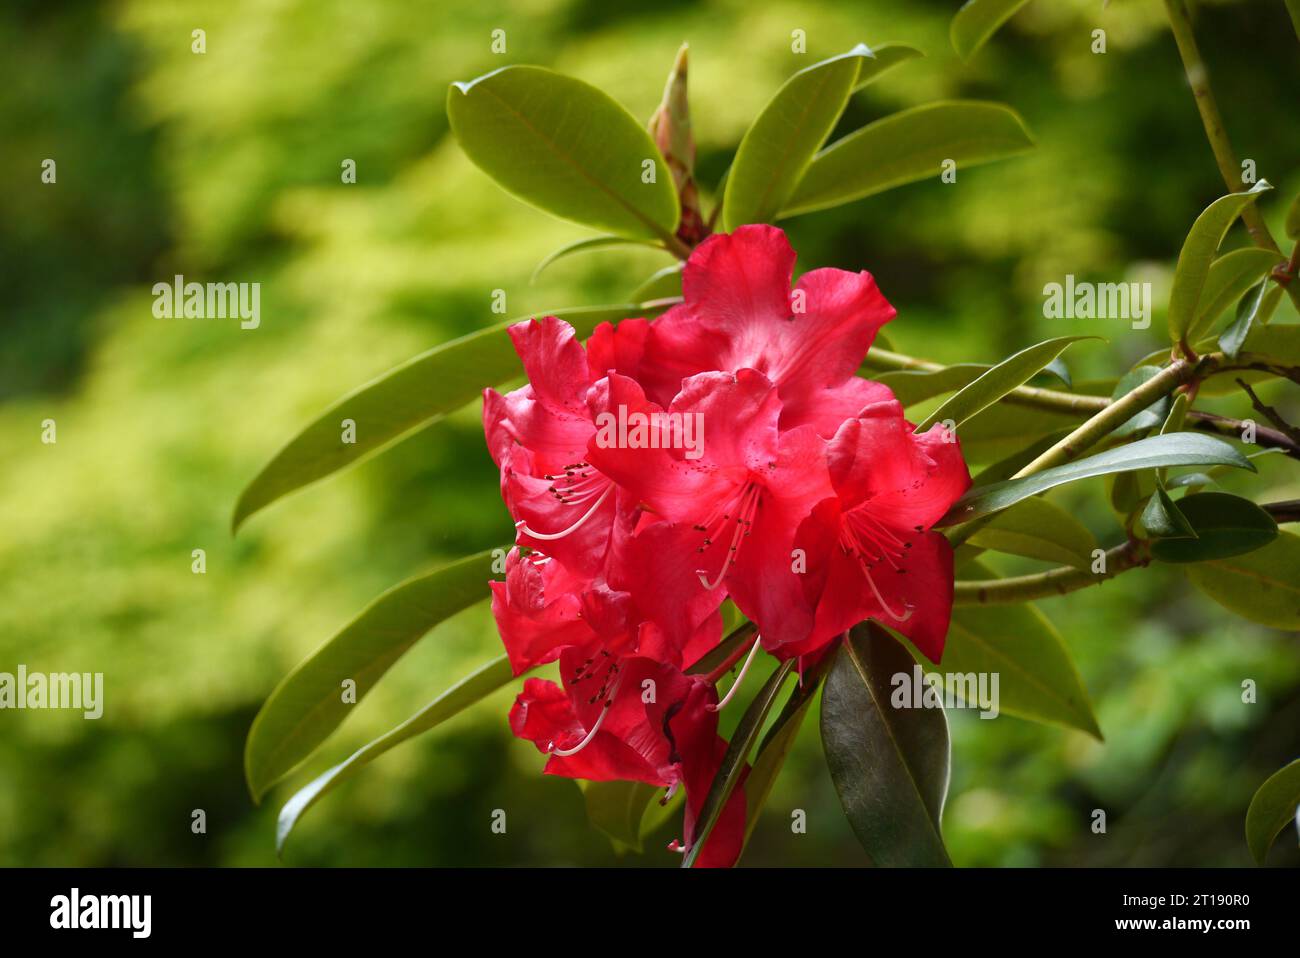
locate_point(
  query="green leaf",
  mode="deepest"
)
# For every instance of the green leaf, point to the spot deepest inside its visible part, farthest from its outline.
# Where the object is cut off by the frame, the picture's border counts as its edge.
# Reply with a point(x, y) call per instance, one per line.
point(1144, 419)
point(890, 765)
point(885, 59)
point(1227, 281)
point(1175, 449)
point(1293, 211)
point(908, 146)
point(733, 762)
point(618, 809)
point(912, 386)
point(1279, 345)
point(1262, 586)
point(978, 20)
point(1037, 529)
point(1223, 525)
point(1013, 371)
point(1037, 677)
point(1162, 519)
point(1272, 808)
point(780, 144)
point(566, 147)
point(403, 400)
point(776, 746)
point(1235, 336)
point(471, 689)
point(586, 246)
point(308, 703)
point(661, 284)
point(1198, 251)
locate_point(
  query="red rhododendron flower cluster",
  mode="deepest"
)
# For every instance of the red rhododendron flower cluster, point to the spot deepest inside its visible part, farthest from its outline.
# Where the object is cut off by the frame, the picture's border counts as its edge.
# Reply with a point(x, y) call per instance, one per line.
point(726, 449)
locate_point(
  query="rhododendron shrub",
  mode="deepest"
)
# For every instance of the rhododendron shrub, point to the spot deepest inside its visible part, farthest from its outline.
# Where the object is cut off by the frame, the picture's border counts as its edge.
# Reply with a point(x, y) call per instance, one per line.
point(732, 498)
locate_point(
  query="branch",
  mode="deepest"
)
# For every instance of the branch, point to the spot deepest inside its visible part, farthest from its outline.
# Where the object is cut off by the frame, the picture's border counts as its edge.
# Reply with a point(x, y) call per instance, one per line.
point(1269, 413)
point(1198, 77)
point(1177, 373)
point(1042, 585)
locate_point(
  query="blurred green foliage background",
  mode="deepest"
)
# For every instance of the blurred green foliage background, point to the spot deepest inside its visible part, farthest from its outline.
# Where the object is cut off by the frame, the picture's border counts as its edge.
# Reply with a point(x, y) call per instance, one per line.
point(225, 166)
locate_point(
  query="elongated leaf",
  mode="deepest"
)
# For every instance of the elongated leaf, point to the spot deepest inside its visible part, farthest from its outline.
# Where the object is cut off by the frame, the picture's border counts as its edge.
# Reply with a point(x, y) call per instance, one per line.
point(1223, 525)
point(309, 703)
point(913, 385)
point(618, 809)
point(660, 284)
point(780, 144)
point(890, 765)
point(566, 147)
point(732, 766)
point(1197, 254)
point(908, 146)
point(1162, 519)
point(978, 20)
point(776, 747)
point(1272, 809)
point(410, 397)
point(1262, 586)
point(1175, 449)
point(588, 245)
point(1235, 336)
point(885, 58)
point(473, 688)
point(1037, 529)
point(1037, 677)
point(1227, 281)
point(1293, 211)
point(1276, 344)
point(1013, 371)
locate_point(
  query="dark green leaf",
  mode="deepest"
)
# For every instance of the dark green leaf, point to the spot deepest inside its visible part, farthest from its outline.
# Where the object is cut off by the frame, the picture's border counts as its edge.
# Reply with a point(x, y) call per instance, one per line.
point(473, 688)
point(1162, 518)
point(1235, 336)
point(733, 762)
point(978, 20)
point(1175, 449)
point(1012, 372)
point(889, 765)
point(780, 144)
point(1293, 211)
point(566, 147)
point(908, 146)
point(1223, 525)
point(1262, 586)
point(403, 400)
point(309, 704)
point(1272, 809)
point(1198, 251)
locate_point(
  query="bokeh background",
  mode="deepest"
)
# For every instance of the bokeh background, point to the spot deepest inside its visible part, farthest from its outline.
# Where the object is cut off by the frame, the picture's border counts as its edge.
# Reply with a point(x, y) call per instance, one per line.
point(225, 166)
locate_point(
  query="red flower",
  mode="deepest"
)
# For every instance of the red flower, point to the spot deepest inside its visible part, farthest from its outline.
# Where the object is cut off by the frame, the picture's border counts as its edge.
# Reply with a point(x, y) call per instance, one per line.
point(633, 719)
point(870, 550)
point(732, 513)
point(727, 448)
point(538, 437)
point(739, 313)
